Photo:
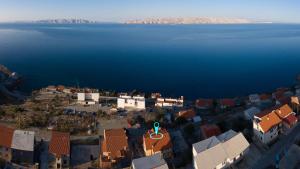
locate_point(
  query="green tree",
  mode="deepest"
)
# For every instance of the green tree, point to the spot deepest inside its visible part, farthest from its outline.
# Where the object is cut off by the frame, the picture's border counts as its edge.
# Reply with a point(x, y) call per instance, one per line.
point(189, 129)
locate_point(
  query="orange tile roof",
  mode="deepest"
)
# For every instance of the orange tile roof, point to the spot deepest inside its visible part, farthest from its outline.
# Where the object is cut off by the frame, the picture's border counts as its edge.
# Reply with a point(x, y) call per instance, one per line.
point(115, 142)
point(188, 114)
point(284, 111)
point(265, 97)
point(227, 102)
point(269, 120)
point(157, 145)
point(60, 143)
point(209, 130)
point(204, 102)
point(6, 135)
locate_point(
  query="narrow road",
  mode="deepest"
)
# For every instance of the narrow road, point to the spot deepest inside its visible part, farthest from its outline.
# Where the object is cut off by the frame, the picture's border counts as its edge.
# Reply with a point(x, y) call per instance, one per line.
point(44, 156)
point(280, 146)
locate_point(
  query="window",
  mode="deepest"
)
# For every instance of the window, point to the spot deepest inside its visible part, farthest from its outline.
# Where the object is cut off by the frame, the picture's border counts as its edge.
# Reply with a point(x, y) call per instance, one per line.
point(58, 165)
point(65, 161)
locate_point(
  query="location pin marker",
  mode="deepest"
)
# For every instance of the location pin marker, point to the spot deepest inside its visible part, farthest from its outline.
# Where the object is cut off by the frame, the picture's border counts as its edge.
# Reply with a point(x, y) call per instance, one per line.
point(156, 127)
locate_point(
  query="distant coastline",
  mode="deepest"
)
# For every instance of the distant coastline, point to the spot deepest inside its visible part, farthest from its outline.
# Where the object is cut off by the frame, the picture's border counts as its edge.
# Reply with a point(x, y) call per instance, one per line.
point(191, 20)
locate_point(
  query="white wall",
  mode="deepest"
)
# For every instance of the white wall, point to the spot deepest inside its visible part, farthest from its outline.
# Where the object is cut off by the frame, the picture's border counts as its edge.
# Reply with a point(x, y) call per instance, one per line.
point(132, 102)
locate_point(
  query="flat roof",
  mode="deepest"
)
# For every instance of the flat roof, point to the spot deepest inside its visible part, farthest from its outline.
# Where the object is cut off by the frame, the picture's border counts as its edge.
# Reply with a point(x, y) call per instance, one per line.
point(151, 162)
point(23, 140)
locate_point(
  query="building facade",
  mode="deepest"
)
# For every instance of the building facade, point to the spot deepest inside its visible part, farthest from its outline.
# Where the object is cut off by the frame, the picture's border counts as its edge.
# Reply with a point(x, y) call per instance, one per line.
point(169, 102)
point(134, 102)
point(88, 98)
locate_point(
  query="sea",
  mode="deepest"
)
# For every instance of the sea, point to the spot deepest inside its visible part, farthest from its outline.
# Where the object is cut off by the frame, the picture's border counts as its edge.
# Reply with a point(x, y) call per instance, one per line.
point(195, 61)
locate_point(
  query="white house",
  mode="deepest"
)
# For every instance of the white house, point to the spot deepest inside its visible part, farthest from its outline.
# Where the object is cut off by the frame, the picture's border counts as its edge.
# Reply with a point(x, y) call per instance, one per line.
point(249, 113)
point(254, 98)
point(155, 161)
point(135, 102)
point(88, 98)
point(266, 127)
point(219, 152)
point(23, 144)
point(169, 102)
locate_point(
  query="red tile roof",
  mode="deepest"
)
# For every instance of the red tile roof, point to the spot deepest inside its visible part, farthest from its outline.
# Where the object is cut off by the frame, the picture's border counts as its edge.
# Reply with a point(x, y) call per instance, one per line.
point(115, 142)
point(291, 119)
point(157, 145)
point(284, 100)
point(60, 144)
point(209, 130)
point(227, 102)
point(204, 103)
point(187, 114)
point(279, 94)
point(6, 136)
point(265, 97)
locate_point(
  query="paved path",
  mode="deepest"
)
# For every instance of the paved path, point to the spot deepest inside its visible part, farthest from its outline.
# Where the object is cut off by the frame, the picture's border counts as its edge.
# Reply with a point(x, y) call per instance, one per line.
point(280, 146)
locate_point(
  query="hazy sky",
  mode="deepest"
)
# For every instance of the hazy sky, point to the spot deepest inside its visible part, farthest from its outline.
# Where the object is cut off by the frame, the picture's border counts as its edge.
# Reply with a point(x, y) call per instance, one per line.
point(120, 10)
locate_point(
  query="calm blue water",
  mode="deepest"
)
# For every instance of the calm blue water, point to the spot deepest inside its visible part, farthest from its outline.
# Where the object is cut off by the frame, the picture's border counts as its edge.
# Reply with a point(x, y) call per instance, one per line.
point(190, 60)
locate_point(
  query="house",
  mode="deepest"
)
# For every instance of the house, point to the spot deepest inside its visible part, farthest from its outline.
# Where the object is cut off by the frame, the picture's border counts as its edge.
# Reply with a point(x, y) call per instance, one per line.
point(187, 114)
point(59, 149)
point(227, 103)
point(88, 98)
point(155, 95)
point(204, 103)
point(6, 135)
point(287, 116)
point(266, 126)
point(249, 113)
point(155, 161)
point(60, 88)
point(135, 102)
point(51, 89)
point(23, 144)
point(152, 146)
point(218, 152)
point(265, 98)
point(254, 98)
point(209, 130)
point(114, 147)
point(169, 102)
point(295, 103)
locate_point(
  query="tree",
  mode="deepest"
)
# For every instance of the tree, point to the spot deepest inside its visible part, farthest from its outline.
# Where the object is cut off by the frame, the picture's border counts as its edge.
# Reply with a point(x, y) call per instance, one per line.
point(180, 121)
point(189, 129)
point(2, 112)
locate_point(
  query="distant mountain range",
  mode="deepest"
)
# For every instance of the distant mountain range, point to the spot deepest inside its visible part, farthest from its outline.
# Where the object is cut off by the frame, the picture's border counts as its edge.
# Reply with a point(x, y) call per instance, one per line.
point(65, 21)
point(194, 20)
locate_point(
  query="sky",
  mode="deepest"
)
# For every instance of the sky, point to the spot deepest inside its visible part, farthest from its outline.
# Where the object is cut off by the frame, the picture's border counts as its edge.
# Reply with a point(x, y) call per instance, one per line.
point(122, 10)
